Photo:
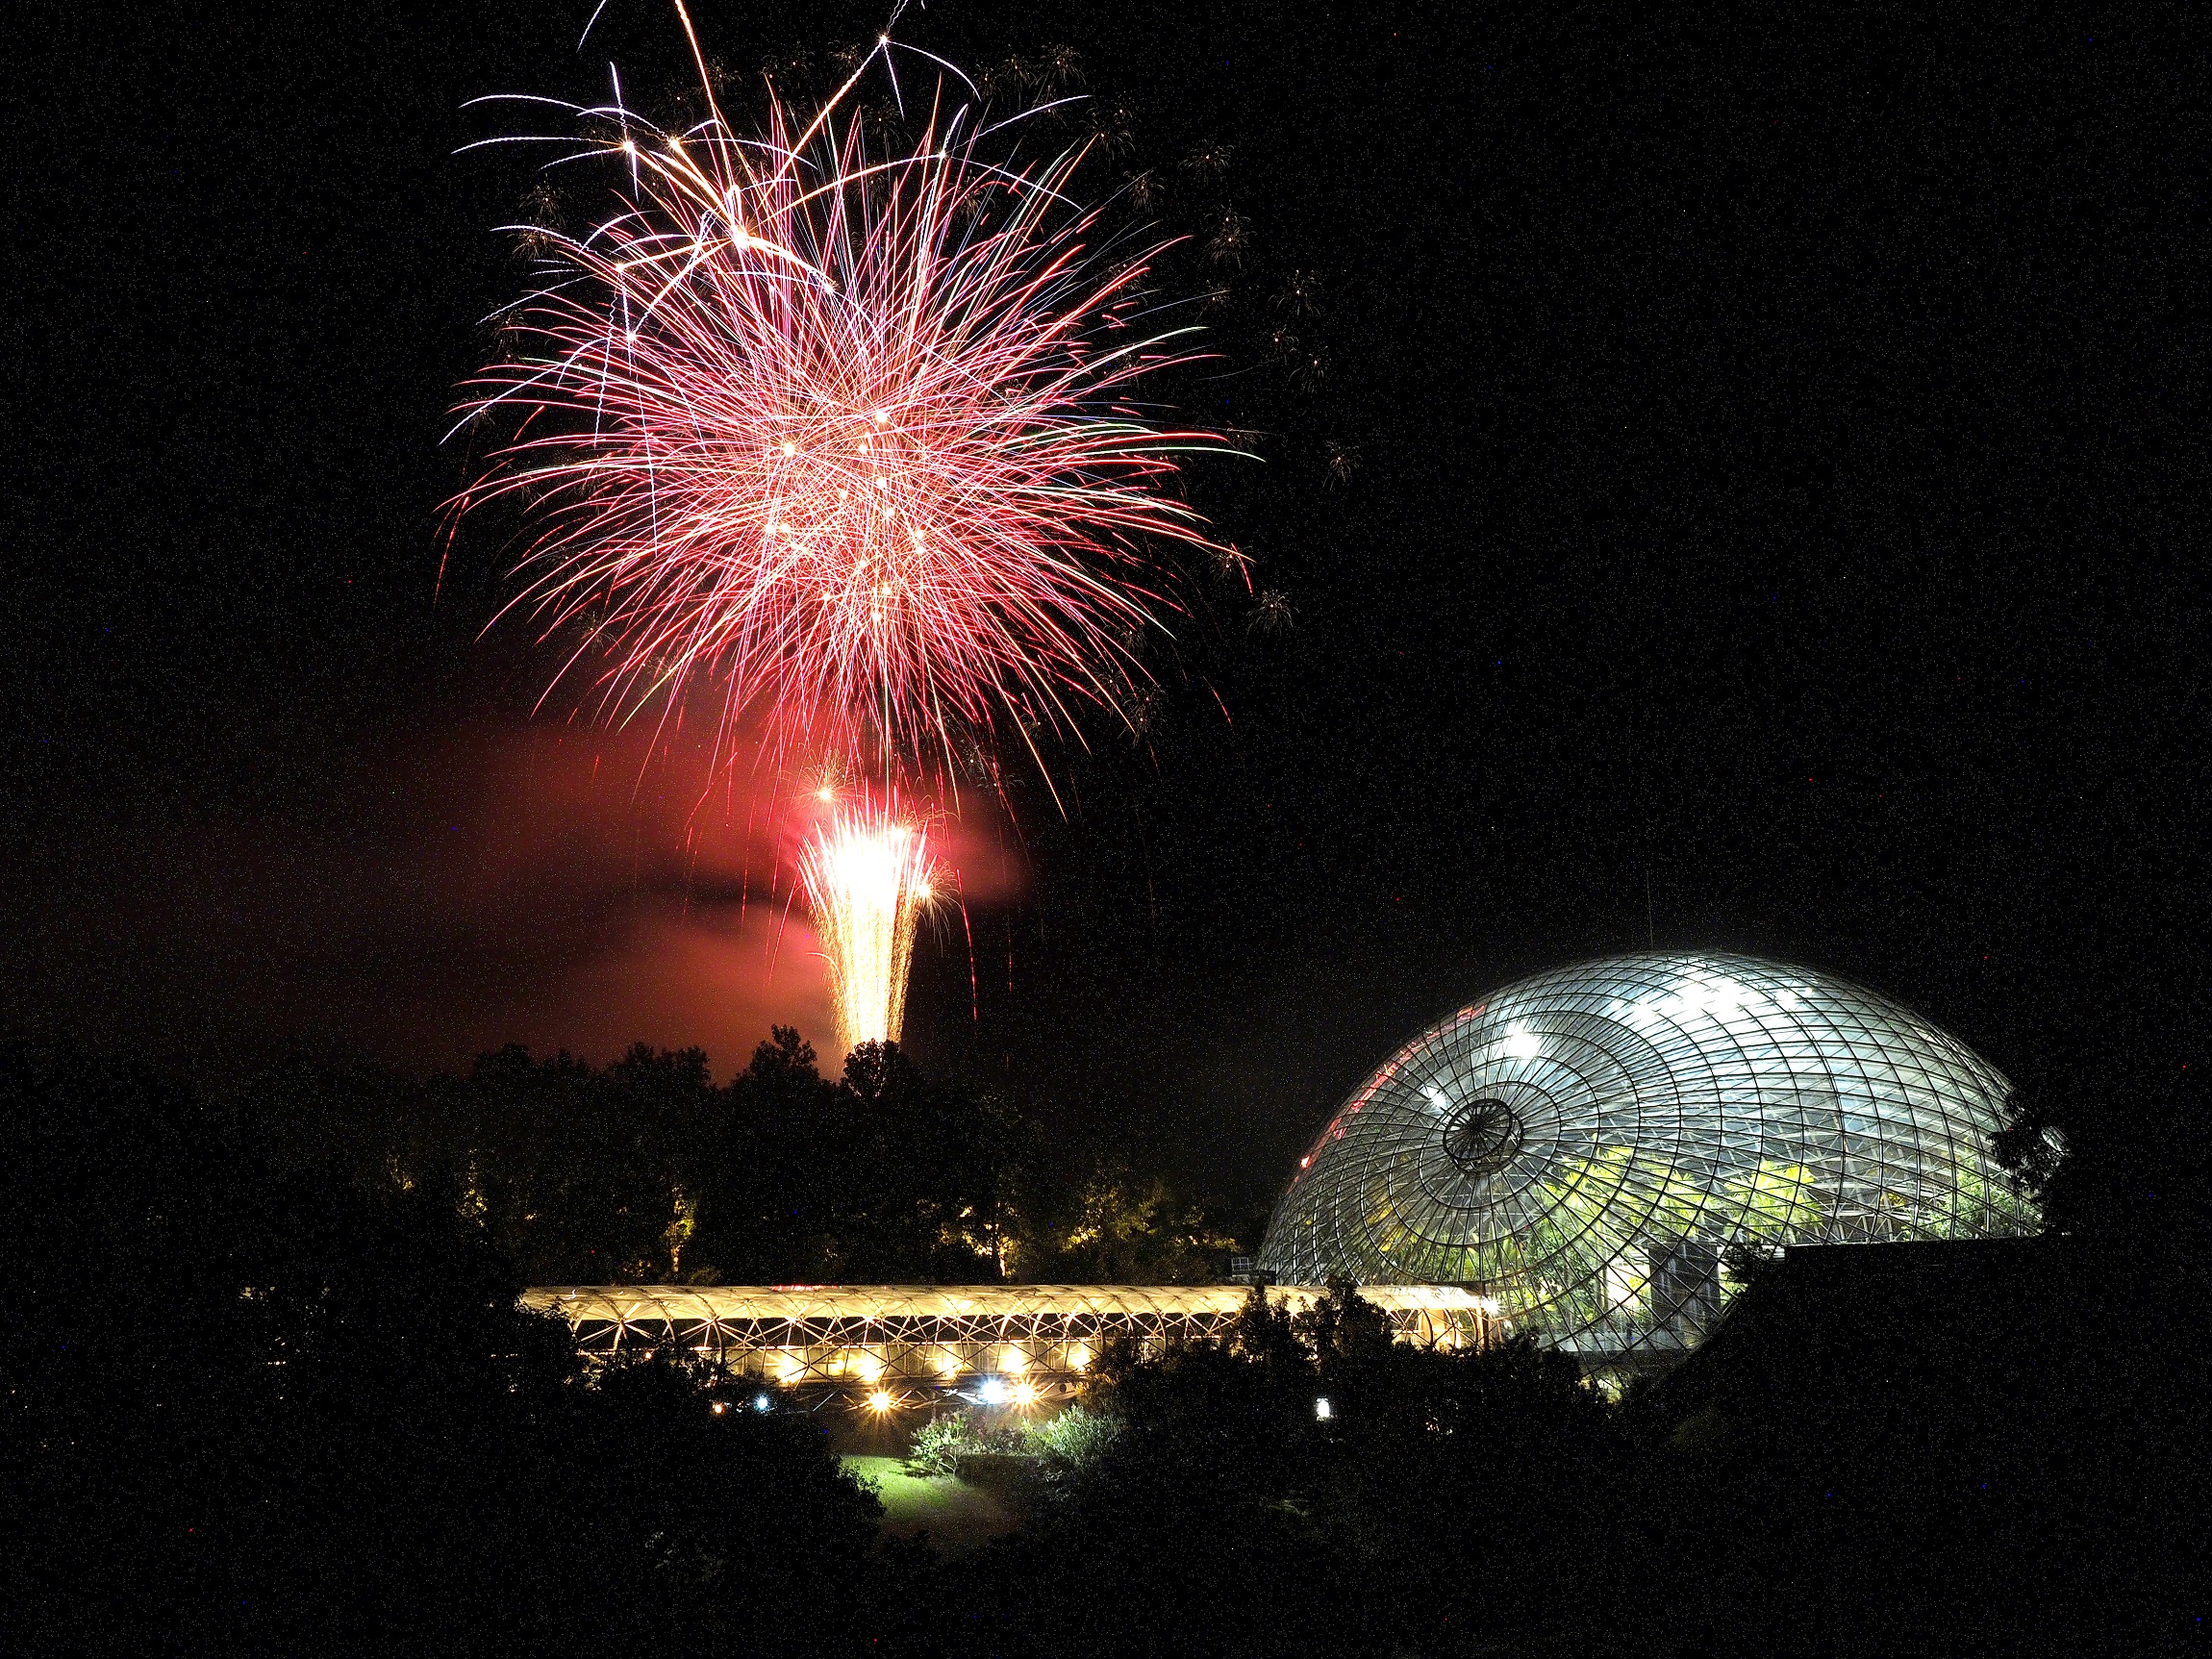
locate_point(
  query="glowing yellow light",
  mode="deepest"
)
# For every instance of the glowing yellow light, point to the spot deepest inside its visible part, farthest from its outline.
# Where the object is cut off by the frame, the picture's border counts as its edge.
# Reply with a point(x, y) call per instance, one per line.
point(879, 1402)
point(1012, 1361)
point(1623, 1284)
point(1025, 1394)
point(1079, 1357)
point(867, 876)
point(791, 448)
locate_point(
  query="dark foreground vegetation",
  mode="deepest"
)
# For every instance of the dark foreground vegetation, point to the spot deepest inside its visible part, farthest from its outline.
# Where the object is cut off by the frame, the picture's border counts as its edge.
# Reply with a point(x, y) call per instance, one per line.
point(253, 1406)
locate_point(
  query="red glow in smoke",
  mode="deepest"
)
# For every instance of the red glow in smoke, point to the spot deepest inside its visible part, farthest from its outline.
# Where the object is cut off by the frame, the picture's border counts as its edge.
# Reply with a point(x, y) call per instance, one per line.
point(846, 439)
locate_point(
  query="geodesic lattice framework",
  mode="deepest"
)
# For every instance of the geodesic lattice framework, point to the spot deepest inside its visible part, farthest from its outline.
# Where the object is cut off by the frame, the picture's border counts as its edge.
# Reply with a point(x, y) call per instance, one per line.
point(1600, 1148)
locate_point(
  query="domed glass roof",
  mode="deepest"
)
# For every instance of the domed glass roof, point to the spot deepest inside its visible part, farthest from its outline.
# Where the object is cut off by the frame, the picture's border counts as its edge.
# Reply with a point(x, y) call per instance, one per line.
point(1602, 1147)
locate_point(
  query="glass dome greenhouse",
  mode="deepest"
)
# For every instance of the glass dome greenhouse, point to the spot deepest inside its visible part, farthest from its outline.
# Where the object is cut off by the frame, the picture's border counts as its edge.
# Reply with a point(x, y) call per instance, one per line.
point(1602, 1147)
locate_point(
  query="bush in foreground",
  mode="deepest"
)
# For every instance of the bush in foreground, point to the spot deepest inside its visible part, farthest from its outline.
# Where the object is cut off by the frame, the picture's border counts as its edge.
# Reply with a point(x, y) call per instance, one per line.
point(242, 1412)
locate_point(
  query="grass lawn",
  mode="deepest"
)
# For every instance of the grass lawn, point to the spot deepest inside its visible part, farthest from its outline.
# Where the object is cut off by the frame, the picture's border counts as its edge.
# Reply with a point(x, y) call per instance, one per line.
point(956, 1517)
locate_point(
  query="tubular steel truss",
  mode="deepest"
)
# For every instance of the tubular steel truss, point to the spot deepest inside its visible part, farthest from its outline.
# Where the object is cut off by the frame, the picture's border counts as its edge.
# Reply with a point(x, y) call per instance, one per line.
point(1602, 1147)
point(914, 1344)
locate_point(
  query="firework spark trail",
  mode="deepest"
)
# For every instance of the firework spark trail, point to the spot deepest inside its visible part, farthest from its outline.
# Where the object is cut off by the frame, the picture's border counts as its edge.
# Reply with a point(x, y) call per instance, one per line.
point(869, 873)
point(848, 437)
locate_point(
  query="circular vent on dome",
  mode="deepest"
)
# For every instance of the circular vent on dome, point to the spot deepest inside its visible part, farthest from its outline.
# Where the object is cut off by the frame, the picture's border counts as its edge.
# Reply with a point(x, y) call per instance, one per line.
point(1482, 1137)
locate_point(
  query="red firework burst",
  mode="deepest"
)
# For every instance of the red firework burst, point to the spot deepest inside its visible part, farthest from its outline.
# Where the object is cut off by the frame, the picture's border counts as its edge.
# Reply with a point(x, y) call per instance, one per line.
point(846, 437)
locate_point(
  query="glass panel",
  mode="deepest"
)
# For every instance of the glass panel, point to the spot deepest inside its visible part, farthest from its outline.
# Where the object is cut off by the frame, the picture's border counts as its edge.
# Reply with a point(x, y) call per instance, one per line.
point(1639, 1123)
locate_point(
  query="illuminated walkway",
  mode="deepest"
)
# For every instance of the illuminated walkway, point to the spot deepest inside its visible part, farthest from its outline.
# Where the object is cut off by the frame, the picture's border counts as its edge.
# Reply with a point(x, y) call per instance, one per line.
point(900, 1346)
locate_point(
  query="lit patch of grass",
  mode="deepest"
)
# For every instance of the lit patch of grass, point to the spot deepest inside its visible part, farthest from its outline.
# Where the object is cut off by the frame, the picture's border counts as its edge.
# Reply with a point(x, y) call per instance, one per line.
point(954, 1516)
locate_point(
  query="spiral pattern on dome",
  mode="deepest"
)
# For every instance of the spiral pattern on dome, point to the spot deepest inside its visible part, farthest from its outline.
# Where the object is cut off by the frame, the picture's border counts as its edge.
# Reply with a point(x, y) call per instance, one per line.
point(1605, 1147)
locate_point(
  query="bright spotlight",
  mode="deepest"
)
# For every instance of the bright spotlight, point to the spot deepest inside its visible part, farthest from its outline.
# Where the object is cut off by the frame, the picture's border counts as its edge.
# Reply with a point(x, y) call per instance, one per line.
point(761, 1402)
point(1025, 1394)
point(721, 1406)
point(1321, 1411)
point(879, 1400)
point(992, 1392)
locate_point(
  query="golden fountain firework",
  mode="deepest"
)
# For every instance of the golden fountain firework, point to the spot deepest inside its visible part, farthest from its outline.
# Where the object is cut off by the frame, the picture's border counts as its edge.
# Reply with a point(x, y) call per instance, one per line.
point(869, 873)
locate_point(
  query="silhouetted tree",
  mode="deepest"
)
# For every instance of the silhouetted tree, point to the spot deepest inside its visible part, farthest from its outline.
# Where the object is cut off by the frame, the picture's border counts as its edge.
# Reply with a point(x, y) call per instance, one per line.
point(2117, 1143)
point(645, 1171)
point(247, 1411)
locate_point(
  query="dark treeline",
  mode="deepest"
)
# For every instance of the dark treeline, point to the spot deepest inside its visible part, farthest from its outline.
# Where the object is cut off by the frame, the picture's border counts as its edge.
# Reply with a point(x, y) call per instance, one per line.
point(252, 1407)
point(646, 1172)
point(244, 1410)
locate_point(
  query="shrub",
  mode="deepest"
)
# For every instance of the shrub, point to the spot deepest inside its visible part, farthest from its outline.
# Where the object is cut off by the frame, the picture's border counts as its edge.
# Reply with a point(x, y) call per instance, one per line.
point(938, 1445)
point(1072, 1442)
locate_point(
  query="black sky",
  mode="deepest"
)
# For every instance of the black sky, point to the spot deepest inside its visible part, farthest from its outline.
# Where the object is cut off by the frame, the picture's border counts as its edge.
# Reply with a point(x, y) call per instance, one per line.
point(1778, 525)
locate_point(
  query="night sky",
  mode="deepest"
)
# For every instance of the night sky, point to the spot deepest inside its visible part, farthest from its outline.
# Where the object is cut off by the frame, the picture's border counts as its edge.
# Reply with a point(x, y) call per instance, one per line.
point(1777, 524)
